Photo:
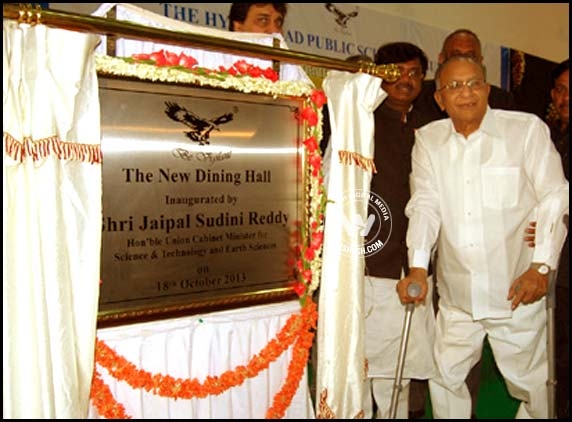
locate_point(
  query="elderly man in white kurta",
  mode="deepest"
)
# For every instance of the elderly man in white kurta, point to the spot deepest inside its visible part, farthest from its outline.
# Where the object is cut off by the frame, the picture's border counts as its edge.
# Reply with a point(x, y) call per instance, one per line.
point(478, 179)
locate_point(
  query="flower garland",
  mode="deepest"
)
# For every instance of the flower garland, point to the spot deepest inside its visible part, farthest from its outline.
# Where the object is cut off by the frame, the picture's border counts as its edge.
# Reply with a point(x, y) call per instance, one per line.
point(163, 67)
point(298, 363)
point(103, 400)
point(309, 264)
point(299, 329)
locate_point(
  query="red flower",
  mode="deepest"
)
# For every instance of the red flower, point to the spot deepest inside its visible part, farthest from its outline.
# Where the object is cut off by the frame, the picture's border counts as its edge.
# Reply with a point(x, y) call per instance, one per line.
point(310, 116)
point(316, 164)
point(187, 61)
point(307, 276)
point(311, 144)
point(270, 74)
point(255, 72)
point(171, 58)
point(309, 254)
point(141, 56)
point(159, 58)
point(299, 288)
point(242, 67)
point(317, 239)
point(318, 98)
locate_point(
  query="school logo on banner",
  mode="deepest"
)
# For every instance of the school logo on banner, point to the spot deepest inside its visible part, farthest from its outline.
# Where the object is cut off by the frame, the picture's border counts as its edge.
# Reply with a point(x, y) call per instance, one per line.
point(341, 18)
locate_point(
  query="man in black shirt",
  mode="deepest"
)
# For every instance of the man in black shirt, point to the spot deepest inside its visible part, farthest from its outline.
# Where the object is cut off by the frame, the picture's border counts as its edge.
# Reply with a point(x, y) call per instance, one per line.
point(395, 122)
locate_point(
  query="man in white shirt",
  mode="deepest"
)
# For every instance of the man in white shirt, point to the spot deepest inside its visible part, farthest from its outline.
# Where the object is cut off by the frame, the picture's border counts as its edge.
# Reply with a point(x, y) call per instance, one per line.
point(477, 179)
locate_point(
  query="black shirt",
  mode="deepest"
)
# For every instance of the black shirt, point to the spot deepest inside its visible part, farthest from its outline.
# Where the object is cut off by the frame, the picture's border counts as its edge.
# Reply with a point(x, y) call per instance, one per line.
point(394, 138)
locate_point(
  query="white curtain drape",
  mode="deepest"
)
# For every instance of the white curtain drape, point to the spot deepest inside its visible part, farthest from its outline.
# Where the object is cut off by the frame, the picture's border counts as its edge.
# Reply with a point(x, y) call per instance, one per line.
point(341, 372)
point(207, 345)
point(51, 220)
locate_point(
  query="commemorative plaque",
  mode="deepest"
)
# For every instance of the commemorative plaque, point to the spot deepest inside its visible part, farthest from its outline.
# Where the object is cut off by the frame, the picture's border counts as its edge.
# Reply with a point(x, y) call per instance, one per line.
point(202, 195)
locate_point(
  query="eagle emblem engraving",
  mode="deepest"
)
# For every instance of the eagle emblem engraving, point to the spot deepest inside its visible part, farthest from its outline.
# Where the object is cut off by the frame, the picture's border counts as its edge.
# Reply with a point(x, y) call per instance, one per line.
point(200, 128)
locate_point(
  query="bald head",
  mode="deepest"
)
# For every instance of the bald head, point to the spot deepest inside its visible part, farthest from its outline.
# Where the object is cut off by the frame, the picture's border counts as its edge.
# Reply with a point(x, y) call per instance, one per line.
point(462, 42)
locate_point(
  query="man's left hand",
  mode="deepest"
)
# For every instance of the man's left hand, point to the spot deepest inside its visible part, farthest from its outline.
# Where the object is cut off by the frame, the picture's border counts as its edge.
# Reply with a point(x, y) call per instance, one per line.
point(528, 288)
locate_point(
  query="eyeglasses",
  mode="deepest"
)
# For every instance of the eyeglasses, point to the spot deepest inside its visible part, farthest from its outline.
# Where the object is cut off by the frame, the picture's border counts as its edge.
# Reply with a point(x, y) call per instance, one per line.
point(457, 86)
point(415, 73)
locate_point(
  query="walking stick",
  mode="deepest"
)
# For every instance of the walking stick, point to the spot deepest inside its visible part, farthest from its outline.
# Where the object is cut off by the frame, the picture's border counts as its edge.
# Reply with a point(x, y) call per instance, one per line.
point(551, 337)
point(550, 344)
point(413, 290)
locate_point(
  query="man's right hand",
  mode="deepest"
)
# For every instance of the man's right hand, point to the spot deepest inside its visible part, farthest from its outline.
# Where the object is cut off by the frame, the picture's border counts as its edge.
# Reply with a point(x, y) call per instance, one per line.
point(417, 276)
point(530, 234)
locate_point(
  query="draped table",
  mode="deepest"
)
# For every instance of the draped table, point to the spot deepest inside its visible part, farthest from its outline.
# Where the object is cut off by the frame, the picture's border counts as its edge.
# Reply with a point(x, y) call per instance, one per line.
point(201, 345)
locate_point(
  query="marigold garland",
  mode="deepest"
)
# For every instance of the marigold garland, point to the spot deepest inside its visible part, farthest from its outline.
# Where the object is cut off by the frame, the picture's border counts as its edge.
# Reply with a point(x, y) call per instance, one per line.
point(297, 366)
point(299, 329)
point(104, 401)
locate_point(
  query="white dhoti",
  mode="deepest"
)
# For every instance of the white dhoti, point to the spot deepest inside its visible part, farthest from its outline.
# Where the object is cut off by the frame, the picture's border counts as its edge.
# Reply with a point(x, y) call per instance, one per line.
point(519, 348)
point(384, 319)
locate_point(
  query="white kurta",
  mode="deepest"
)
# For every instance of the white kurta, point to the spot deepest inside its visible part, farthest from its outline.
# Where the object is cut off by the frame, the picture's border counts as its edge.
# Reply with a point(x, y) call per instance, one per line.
point(481, 193)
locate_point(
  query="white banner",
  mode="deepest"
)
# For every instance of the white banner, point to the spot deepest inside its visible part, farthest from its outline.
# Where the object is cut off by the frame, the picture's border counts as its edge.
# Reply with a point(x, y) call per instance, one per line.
point(337, 30)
